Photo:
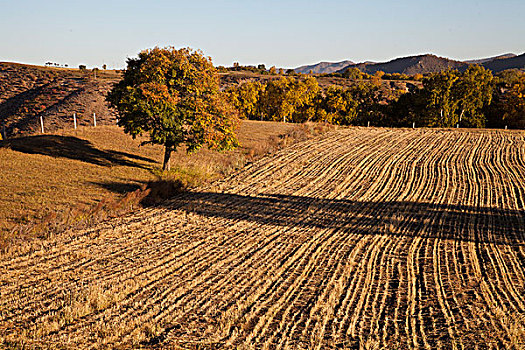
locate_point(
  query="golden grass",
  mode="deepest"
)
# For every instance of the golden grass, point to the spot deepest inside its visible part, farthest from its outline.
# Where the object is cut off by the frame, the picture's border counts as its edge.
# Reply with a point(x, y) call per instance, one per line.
point(74, 175)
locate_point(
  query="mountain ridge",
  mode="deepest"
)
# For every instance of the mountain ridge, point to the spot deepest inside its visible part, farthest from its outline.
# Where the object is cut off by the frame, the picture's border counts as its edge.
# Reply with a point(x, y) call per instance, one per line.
point(323, 67)
point(419, 64)
point(489, 59)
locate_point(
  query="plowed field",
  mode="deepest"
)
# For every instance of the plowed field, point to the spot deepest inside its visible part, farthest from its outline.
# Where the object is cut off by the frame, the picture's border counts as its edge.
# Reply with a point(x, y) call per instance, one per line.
point(371, 238)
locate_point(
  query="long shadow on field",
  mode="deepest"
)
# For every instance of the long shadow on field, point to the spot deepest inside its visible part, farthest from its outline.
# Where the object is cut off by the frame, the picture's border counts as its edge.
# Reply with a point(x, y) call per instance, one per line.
point(72, 148)
point(457, 222)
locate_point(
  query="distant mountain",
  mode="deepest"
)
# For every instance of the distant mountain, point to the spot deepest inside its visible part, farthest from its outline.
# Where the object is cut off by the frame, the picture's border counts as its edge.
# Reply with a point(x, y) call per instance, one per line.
point(323, 67)
point(516, 62)
point(489, 59)
point(421, 64)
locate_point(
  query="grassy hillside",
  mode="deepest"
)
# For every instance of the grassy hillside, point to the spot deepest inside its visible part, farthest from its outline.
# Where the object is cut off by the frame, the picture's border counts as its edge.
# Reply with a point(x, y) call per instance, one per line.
point(42, 175)
point(28, 92)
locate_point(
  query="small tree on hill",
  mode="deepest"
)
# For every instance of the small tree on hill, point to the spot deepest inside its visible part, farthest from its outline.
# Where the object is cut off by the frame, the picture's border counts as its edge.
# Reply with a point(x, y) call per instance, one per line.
point(174, 96)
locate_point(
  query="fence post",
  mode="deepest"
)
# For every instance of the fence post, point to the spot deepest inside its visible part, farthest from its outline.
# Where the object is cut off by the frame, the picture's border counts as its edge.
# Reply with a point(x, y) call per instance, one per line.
point(369, 123)
point(413, 125)
point(42, 124)
point(75, 120)
point(94, 119)
point(505, 127)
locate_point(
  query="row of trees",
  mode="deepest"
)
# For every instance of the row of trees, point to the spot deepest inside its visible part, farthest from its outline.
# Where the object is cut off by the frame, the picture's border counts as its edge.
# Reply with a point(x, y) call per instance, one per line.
point(447, 99)
point(473, 98)
point(300, 99)
point(260, 69)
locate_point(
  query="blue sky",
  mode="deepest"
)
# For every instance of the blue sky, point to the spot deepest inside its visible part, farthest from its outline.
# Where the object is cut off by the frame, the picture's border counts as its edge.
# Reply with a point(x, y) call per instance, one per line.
point(286, 33)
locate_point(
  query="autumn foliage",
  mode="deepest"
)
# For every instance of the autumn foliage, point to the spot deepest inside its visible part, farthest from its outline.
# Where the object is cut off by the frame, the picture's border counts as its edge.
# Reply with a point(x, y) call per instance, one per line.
point(473, 98)
point(173, 95)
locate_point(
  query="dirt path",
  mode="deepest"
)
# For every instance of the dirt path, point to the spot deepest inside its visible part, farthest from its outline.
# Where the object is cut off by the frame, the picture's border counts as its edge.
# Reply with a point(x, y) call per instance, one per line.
point(371, 238)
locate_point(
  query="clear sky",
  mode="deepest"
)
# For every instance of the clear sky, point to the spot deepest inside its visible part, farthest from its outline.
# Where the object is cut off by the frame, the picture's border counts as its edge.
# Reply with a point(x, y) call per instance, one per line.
point(286, 33)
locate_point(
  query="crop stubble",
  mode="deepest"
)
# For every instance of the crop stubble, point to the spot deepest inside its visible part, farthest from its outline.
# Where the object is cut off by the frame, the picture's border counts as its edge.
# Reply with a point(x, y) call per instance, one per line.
point(361, 238)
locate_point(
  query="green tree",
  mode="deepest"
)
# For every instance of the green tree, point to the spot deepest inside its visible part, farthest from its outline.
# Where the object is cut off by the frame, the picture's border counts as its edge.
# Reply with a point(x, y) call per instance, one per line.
point(440, 102)
point(368, 97)
point(173, 95)
point(473, 91)
point(447, 98)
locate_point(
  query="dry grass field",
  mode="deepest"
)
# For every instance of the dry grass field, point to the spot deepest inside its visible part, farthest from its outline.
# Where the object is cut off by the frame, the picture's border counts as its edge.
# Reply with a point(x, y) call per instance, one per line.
point(361, 238)
point(70, 172)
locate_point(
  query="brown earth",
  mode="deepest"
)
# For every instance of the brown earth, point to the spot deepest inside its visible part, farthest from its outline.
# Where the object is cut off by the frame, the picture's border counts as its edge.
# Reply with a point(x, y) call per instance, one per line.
point(361, 238)
point(30, 92)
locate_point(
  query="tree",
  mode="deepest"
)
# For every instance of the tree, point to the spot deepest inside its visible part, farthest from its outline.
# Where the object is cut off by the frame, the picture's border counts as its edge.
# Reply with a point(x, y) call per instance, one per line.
point(173, 95)
point(514, 105)
point(376, 78)
point(82, 67)
point(104, 66)
point(245, 98)
point(447, 99)
point(441, 104)
point(289, 99)
point(473, 91)
point(340, 106)
point(353, 74)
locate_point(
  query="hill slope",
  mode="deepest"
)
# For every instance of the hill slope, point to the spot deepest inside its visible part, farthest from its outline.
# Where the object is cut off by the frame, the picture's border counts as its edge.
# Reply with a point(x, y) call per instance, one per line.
point(421, 64)
point(517, 62)
point(489, 59)
point(364, 238)
point(28, 92)
point(323, 67)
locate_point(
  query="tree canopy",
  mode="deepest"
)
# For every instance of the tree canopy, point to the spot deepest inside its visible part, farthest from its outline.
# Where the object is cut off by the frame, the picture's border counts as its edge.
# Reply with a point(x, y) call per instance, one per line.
point(473, 98)
point(173, 95)
point(447, 99)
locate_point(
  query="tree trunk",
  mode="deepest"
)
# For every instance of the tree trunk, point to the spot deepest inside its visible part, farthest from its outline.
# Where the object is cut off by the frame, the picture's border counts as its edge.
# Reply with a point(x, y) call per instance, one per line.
point(167, 155)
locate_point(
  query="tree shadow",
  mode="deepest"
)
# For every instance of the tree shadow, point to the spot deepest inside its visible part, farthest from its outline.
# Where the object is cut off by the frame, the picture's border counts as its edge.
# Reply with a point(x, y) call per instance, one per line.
point(394, 218)
point(73, 148)
point(153, 192)
point(120, 187)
